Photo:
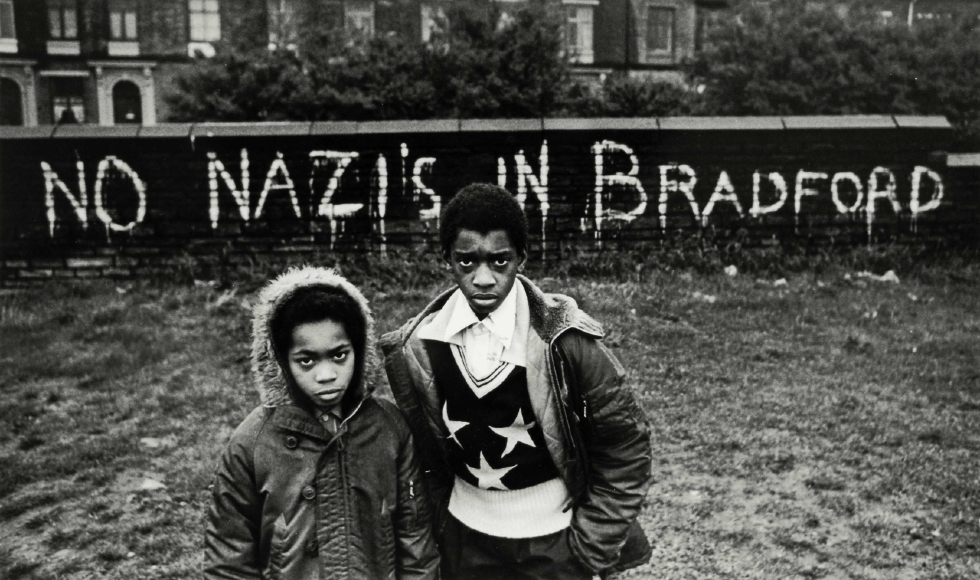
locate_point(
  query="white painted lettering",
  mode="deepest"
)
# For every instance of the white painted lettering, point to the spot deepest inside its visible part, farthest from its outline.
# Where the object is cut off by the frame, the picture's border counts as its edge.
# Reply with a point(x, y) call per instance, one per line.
point(138, 186)
point(78, 204)
point(723, 192)
point(875, 192)
point(802, 177)
point(425, 164)
point(216, 167)
point(835, 192)
point(278, 168)
point(778, 183)
point(670, 185)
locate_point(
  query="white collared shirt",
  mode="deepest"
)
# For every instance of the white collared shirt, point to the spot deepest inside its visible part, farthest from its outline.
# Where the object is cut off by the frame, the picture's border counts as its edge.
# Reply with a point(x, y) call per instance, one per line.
point(500, 337)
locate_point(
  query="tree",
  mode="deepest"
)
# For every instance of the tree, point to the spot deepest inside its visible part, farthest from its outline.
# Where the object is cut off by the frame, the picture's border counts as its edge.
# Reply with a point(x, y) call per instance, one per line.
point(474, 67)
point(801, 58)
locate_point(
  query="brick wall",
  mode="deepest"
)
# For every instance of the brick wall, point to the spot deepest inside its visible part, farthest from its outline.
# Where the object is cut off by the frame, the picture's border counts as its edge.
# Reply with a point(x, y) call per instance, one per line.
point(133, 201)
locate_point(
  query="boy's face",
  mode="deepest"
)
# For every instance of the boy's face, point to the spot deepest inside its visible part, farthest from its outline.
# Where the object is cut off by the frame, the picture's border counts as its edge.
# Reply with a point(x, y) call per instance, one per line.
point(485, 267)
point(321, 360)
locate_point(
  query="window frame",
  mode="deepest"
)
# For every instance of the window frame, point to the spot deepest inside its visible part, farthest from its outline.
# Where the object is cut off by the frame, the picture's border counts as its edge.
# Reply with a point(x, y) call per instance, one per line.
point(671, 50)
point(21, 105)
point(430, 15)
point(72, 99)
point(13, 21)
point(138, 119)
point(283, 23)
point(207, 18)
point(124, 8)
point(62, 8)
point(574, 54)
point(360, 32)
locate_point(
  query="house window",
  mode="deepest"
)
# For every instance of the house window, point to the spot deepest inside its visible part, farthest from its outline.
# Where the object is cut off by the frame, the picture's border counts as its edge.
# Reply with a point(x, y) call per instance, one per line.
point(359, 18)
point(122, 19)
point(7, 20)
point(660, 30)
point(283, 29)
point(63, 19)
point(127, 106)
point(205, 21)
point(68, 100)
point(11, 105)
point(706, 21)
point(578, 34)
point(433, 18)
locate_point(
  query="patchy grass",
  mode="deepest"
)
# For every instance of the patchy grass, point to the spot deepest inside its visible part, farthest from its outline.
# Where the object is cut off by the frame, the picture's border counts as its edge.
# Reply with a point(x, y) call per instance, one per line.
point(824, 428)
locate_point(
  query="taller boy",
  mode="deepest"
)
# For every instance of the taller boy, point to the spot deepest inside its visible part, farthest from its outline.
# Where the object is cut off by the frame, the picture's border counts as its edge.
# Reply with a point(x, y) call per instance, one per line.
point(536, 454)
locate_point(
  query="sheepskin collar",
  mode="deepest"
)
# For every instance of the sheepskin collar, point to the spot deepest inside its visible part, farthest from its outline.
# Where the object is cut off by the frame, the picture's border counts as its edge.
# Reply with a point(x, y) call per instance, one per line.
point(267, 366)
point(551, 314)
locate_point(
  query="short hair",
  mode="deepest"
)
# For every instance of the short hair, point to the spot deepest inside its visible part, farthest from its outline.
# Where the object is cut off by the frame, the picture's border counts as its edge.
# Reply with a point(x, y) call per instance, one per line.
point(483, 207)
point(315, 304)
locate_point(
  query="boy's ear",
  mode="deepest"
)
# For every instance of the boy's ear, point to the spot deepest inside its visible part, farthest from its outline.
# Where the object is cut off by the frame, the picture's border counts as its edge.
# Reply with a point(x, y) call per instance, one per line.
point(446, 259)
point(522, 261)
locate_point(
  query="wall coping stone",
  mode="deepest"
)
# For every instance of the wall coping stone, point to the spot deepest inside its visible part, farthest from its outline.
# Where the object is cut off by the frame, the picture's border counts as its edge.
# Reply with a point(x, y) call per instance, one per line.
point(95, 131)
point(413, 126)
point(500, 125)
point(721, 123)
point(37, 132)
point(603, 123)
point(963, 160)
point(318, 128)
point(333, 128)
point(268, 129)
point(919, 122)
point(840, 122)
point(164, 130)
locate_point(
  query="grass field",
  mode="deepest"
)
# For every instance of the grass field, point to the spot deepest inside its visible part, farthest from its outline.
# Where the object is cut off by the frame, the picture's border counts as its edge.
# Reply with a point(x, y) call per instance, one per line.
point(825, 428)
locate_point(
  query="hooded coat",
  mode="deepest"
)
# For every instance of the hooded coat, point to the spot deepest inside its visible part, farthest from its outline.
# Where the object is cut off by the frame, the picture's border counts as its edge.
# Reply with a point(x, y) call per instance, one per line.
point(594, 429)
point(293, 501)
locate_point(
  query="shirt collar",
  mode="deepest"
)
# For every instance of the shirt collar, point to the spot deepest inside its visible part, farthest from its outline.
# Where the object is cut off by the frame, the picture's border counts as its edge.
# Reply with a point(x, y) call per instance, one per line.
point(517, 323)
point(500, 322)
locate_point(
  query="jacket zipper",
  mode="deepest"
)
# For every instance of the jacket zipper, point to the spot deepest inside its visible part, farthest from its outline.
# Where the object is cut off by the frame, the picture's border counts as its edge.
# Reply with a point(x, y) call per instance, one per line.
point(555, 359)
point(343, 483)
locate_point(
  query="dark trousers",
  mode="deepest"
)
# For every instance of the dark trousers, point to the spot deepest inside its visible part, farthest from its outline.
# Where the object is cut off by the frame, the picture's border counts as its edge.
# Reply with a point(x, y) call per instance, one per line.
point(470, 555)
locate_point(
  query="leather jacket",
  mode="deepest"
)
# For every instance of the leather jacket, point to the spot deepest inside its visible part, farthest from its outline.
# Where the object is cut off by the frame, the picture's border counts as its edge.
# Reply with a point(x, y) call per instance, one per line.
point(595, 431)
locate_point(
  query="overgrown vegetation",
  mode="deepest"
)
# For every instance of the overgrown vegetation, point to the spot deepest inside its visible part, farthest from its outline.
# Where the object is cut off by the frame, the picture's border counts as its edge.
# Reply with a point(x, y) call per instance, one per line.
point(824, 427)
point(804, 58)
point(471, 68)
point(763, 58)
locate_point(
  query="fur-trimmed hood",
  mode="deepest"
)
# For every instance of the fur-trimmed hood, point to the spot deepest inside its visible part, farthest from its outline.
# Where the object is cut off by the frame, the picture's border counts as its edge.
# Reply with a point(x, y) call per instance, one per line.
point(267, 364)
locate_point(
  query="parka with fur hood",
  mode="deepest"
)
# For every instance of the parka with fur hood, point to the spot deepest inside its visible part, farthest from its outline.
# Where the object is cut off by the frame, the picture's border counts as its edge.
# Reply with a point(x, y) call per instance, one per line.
point(293, 502)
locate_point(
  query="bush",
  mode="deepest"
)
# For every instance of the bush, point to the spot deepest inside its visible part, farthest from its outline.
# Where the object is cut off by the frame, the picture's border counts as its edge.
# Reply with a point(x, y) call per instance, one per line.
point(803, 58)
point(474, 67)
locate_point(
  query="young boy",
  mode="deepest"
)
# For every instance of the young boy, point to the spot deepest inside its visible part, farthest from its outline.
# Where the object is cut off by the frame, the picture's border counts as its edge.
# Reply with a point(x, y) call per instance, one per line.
point(536, 454)
point(320, 481)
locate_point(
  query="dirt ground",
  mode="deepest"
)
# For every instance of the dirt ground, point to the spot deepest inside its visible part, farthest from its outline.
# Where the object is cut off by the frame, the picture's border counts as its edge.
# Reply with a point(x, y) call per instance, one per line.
point(817, 427)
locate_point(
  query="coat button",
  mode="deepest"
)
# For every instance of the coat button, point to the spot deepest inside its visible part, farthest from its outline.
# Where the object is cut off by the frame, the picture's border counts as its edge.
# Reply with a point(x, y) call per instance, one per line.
point(311, 546)
point(309, 492)
point(291, 442)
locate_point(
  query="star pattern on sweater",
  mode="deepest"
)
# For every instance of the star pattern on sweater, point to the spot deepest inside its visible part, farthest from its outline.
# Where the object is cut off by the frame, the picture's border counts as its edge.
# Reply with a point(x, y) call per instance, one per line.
point(453, 426)
point(488, 477)
point(517, 432)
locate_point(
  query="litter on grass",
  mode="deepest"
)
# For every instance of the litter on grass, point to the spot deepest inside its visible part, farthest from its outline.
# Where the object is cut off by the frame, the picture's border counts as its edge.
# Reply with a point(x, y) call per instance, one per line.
point(888, 276)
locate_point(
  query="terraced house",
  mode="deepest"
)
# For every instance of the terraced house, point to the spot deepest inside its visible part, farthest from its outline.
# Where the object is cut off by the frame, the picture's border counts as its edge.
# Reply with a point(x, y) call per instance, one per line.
point(111, 61)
